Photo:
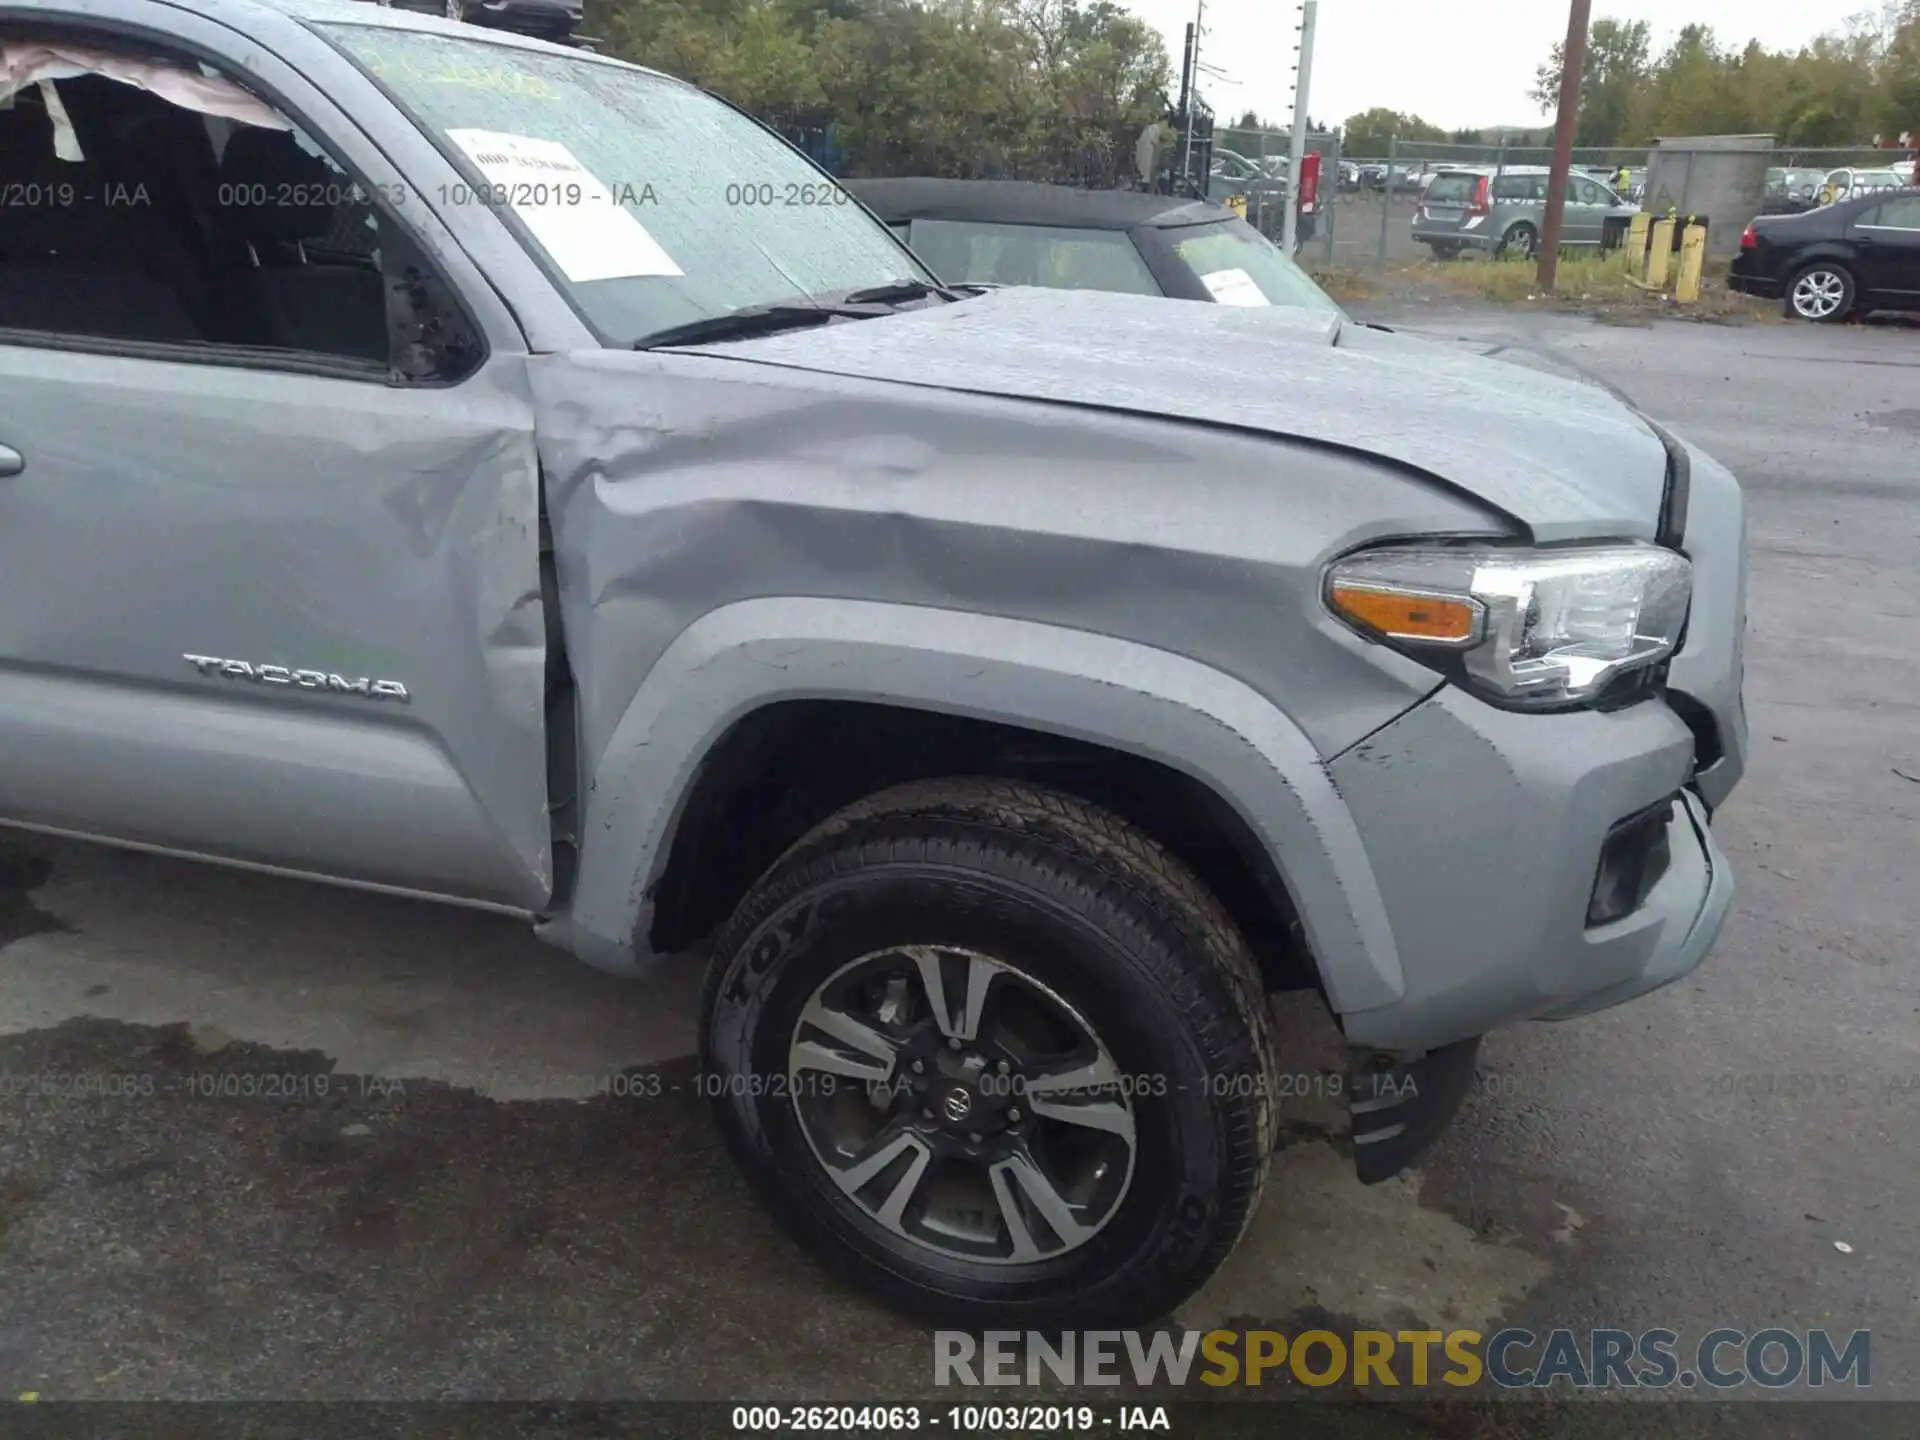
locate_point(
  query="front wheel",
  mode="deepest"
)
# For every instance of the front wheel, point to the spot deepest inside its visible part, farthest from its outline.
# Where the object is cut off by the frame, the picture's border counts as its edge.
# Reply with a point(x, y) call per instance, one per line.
point(994, 1054)
point(1822, 293)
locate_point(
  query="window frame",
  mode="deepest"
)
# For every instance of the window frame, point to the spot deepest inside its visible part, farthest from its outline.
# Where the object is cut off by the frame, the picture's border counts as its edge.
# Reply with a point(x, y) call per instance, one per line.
point(1869, 219)
point(179, 44)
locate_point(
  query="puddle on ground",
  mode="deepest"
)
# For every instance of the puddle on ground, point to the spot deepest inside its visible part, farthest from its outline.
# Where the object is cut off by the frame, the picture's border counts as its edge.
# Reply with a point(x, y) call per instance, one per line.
point(1908, 420)
point(20, 875)
point(1372, 1253)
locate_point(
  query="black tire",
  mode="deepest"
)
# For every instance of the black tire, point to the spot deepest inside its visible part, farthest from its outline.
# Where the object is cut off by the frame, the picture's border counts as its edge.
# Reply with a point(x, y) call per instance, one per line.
point(1838, 290)
point(1521, 237)
point(1104, 917)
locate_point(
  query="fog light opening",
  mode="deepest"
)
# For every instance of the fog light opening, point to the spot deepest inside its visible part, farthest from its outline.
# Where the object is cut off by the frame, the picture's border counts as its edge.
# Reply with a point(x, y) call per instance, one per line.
point(1632, 861)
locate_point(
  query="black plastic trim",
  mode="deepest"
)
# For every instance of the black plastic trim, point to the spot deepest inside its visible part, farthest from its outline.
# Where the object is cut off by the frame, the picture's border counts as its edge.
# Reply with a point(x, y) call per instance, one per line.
point(1708, 745)
point(1673, 506)
point(1641, 839)
point(1399, 1106)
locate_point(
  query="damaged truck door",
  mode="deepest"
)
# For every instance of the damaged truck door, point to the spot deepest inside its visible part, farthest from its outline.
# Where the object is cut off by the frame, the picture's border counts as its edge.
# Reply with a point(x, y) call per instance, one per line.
point(269, 585)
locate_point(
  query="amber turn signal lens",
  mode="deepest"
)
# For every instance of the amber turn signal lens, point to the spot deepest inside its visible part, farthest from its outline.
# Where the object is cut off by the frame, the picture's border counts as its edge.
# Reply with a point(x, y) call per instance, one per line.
point(1401, 615)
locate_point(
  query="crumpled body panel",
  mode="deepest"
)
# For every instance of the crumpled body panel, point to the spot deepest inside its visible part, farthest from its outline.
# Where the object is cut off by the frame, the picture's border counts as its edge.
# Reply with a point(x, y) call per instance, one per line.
point(680, 485)
point(1561, 457)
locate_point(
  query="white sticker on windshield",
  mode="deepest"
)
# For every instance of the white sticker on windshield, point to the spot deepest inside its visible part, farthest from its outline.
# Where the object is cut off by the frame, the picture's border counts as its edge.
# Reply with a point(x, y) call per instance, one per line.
point(589, 234)
point(1234, 287)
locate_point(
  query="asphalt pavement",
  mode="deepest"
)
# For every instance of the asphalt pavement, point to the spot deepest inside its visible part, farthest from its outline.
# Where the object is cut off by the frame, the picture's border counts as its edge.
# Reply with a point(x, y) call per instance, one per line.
point(351, 1147)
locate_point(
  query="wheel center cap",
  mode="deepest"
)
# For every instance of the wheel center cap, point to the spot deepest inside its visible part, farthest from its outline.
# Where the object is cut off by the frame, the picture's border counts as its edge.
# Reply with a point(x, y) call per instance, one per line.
point(958, 1104)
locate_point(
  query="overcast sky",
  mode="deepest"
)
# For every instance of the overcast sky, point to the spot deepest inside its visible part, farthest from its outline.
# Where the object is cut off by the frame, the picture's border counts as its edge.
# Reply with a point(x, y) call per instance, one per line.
point(1467, 63)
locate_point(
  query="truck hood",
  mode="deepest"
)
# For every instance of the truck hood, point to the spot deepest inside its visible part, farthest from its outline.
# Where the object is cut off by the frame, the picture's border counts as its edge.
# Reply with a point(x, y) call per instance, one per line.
point(1559, 456)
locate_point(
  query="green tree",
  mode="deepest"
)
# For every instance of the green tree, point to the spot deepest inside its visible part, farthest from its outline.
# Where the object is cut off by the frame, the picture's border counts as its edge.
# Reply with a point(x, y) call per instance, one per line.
point(1691, 95)
point(1840, 90)
point(1368, 133)
point(1899, 101)
point(1612, 81)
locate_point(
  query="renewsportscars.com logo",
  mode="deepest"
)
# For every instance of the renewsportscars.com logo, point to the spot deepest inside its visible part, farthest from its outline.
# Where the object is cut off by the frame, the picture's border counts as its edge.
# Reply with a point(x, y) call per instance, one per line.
point(1510, 1359)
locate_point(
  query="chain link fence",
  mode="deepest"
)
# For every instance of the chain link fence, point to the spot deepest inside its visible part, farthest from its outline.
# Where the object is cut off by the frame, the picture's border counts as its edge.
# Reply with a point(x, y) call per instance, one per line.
point(1255, 163)
point(1380, 194)
point(1367, 201)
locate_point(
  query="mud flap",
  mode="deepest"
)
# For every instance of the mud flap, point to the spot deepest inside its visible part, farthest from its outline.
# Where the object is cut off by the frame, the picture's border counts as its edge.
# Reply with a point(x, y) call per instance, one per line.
point(1400, 1105)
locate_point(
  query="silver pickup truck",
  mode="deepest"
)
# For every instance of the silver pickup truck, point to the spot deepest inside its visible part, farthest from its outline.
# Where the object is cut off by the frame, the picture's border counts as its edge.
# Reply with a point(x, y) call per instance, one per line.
point(443, 462)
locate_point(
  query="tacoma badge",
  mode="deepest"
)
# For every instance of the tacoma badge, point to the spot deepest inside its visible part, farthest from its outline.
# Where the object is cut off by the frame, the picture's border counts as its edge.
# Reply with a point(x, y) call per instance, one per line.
point(301, 679)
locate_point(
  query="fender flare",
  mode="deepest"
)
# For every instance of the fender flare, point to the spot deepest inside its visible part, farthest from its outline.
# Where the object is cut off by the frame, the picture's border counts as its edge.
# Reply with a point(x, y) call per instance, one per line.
point(1090, 687)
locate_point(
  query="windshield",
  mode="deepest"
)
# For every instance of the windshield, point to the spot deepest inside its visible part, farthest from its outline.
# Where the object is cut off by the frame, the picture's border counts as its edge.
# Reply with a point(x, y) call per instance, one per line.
point(1452, 189)
point(1240, 266)
point(651, 203)
point(1051, 256)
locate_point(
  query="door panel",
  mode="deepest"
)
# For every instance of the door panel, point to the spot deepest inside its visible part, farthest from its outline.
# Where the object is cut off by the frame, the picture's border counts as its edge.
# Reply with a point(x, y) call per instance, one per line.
point(1585, 213)
point(1888, 244)
point(301, 535)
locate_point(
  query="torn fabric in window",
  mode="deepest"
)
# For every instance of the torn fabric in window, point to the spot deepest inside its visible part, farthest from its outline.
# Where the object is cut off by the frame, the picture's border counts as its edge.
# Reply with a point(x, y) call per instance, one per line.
point(38, 63)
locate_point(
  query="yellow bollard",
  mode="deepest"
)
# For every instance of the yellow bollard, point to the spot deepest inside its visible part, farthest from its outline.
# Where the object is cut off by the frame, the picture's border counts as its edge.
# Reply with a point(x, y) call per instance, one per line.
point(1637, 242)
point(1693, 261)
point(1660, 255)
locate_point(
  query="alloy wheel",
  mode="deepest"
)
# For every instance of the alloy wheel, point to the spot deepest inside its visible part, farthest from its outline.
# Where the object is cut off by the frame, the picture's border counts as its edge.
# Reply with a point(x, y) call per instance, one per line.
point(986, 1120)
point(1818, 294)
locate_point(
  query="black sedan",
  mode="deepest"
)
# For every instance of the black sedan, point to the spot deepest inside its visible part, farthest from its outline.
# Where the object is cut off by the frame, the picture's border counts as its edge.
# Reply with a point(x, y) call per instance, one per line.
point(1011, 232)
point(1837, 261)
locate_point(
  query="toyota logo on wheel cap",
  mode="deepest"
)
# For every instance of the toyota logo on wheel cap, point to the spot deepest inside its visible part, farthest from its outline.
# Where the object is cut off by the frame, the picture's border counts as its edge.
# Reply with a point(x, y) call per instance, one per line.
point(958, 1104)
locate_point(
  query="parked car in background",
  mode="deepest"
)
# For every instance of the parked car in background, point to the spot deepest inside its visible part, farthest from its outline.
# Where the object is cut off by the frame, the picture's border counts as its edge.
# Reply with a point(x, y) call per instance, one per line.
point(1349, 175)
point(1791, 191)
point(1838, 261)
point(556, 21)
point(1378, 176)
point(1426, 175)
point(1502, 211)
point(1849, 183)
point(1232, 164)
point(1233, 174)
point(1016, 232)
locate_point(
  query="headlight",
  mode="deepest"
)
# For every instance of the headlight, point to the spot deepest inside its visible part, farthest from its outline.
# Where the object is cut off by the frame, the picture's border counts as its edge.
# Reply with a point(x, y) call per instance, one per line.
point(1526, 628)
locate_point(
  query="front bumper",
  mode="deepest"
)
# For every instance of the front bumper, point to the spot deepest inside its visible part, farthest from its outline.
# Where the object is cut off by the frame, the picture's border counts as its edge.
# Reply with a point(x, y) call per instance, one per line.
point(1445, 235)
point(1400, 1101)
point(1485, 829)
point(1691, 903)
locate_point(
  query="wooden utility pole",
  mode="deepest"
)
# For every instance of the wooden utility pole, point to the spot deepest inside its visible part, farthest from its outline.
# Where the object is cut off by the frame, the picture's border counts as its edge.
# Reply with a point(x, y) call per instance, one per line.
point(1574, 61)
